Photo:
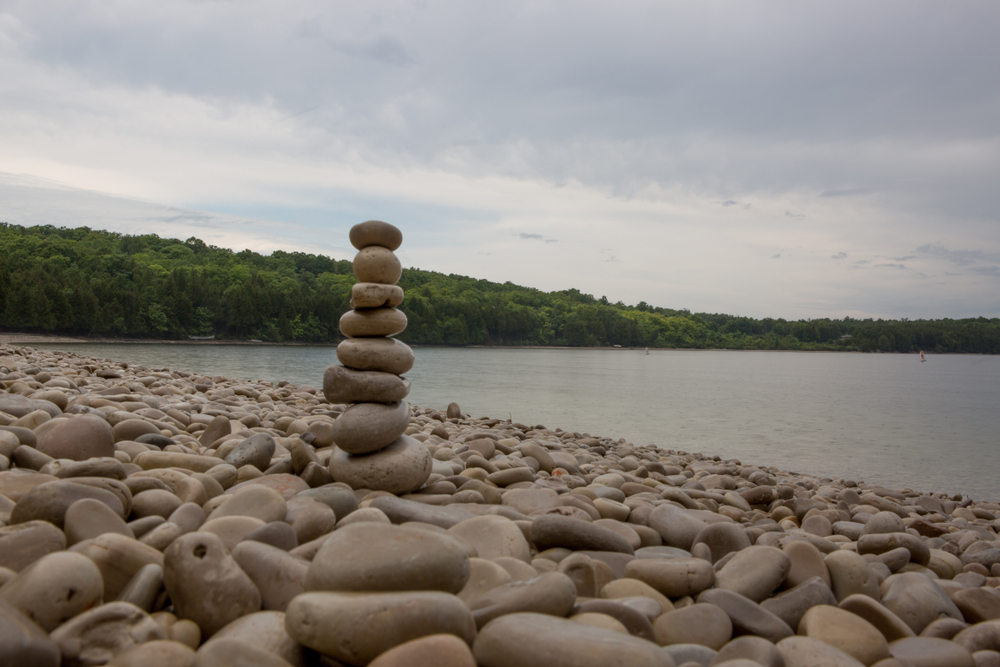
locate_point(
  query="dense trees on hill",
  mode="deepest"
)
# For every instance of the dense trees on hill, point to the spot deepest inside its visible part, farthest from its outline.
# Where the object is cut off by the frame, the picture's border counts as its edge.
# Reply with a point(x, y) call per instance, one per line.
point(88, 282)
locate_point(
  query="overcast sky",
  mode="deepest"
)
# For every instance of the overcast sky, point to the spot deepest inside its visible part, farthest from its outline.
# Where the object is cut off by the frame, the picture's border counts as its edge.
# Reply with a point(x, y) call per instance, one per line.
point(784, 159)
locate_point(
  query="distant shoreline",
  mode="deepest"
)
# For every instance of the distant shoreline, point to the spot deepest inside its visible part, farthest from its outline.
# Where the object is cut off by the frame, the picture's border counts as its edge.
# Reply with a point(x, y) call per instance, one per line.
point(32, 339)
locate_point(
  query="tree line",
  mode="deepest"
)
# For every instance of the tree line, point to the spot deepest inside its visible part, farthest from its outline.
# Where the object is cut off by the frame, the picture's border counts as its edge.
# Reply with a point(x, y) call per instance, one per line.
point(88, 282)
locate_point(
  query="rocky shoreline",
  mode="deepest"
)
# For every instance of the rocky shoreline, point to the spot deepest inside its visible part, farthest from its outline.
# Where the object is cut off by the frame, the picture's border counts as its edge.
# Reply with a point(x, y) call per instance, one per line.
point(157, 517)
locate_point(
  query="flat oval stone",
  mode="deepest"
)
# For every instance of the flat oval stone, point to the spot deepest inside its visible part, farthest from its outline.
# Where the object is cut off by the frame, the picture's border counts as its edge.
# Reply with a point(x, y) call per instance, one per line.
point(386, 355)
point(538, 640)
point(156, 653)
point(50, 502)
point(401, 467)
point(257, 501)
point(357, 627)
point(90, 518)
point(118, 558)
point(792, 604)
point(553, 530)
point(155, 503)
point(144, 588)
point(722, 539)
point(850, 575)
point(634, 622)
point(676, 526)
point(380, 557)
point(430, 651)
point(747, 617)
point(367, 427)
point(377, 233)
point(931, 652)
point(891, 626)
point(673, 577)
point(551, 593)
point(375, 264)
point(79, 439)
point(22, 544)
point(375, 295)
point(98, 635)
point(751, 650)
point(917, 600)
point(755, 572)
point(494, 537)
point(806, 652)
point(255, 451)
point(806, 562)
point(205, 583)
point(372, 322)
point(264, 631)
point(850, 633)
point(54, 589)
point(23, 642)
point(484, 575)
point(234, 653)
point(345, 385)
point(700, 623)
point(130, 429)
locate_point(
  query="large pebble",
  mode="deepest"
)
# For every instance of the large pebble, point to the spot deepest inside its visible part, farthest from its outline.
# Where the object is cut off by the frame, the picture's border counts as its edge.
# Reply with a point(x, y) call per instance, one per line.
point(264, 631)
point(700, 623)
point(367, 427)
point(90, 518)
point(119, 559)
point(55, 589)
point(205, 583)
point(345, 385)
point(255, 451)
point(96, 636)
point(430, 651)
point(850, 633)
point(278, 575)
point(357, 627)
point(257, 501)
point(930, 652)
point(851, 575)
point(386, 355)
point(22, 642)
point(372, 322)
point(792, 604)
point(377, 233)
point(917, 600)
point(538, 640)
point(156, 653)
point(24, 543)
point(379, 557)
point(747, 616)
point(375, 264)
point(494, 537)
point(79, 439)
point(551, 593)
point(375, 295)
point(553, 530)
point(673, 577)
point(50, 501)
point(676, 526)
point(754, 572)
point(401, 467)
point(806, 652)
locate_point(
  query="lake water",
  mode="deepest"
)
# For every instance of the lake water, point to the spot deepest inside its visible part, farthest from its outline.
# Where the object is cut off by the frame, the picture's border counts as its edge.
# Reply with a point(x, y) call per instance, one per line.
point(886, 419)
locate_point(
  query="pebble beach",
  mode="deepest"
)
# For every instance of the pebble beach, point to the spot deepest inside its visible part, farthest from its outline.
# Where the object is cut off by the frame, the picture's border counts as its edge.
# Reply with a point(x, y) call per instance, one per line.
point(159, 517)
point(156, 517)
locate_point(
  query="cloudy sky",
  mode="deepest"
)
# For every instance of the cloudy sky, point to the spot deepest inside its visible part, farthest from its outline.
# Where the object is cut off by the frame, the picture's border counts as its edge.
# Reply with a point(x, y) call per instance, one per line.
point(784, 159)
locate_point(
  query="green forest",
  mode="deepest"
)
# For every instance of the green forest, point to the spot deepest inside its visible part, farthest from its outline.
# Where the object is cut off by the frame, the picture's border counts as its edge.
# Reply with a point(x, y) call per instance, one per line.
point(87, 282)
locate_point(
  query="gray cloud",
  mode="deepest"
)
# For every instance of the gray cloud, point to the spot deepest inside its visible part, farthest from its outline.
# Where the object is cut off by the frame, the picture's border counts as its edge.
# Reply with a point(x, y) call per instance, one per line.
point(526, 236)
point(839, 255)
point(465, 121)
point(959, 257)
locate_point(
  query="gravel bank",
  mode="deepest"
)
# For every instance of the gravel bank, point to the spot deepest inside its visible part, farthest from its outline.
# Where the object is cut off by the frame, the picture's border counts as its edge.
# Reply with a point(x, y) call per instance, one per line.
point(157, 517)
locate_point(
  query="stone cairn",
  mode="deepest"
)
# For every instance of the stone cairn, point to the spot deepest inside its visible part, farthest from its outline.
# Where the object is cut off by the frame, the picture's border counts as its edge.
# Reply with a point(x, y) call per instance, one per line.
point(373, 451)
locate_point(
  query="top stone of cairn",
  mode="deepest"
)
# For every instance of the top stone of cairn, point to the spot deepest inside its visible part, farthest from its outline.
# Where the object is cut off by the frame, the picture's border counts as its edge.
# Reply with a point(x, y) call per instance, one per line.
point(375, 232)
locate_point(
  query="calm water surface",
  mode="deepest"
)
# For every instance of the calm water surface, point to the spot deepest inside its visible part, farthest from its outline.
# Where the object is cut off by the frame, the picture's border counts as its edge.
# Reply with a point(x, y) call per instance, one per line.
point(886, 419)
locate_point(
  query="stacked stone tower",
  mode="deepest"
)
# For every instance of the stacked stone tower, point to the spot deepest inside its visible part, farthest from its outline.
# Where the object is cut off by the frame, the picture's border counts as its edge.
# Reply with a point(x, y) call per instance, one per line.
point(373, 452)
